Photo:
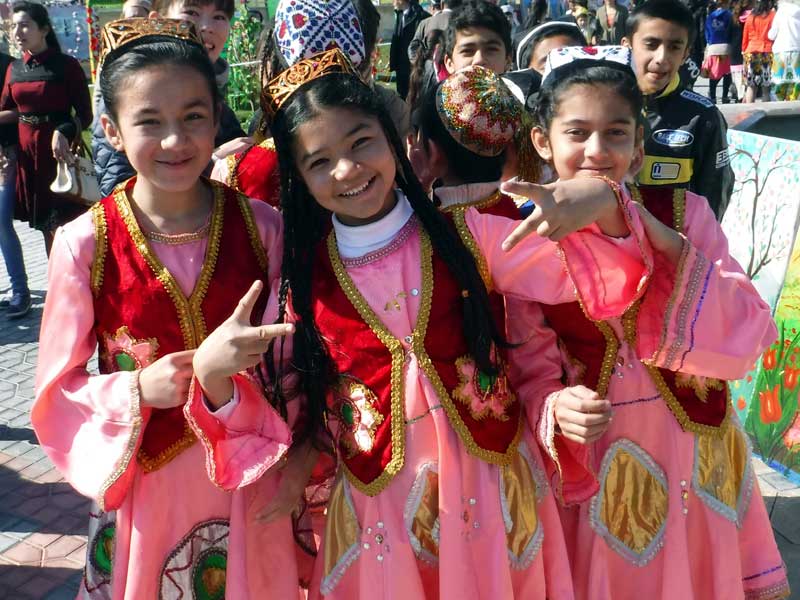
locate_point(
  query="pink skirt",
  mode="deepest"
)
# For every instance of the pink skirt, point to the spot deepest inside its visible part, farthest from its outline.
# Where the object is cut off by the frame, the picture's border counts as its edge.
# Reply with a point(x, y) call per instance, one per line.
point(717, 66)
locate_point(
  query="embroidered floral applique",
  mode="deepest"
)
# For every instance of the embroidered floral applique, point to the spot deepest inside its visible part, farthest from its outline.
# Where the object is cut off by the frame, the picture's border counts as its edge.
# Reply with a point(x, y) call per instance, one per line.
point(699, 384)
point(485, 395)
point(358, 418)
point(123, 352)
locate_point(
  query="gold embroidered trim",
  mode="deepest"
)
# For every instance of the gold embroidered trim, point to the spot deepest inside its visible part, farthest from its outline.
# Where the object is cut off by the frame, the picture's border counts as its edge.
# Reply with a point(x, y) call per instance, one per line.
point(777, 591)
point(673, 298)
point(233, 169)
point(176, 239)
point(476, 204)
point(418, 347)
point(252, 232)
point(629, 327)
point(133, 438)
point(153, 463)
point(100, 247)
point(466, 381)
point(458, 213)
point(678, 205)
point(395, 348)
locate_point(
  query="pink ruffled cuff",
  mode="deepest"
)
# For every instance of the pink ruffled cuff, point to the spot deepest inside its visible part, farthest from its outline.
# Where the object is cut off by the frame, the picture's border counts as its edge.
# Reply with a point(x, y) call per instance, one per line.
point(609, 274)
point(670, 308)
point(568, 467)
point(240, 444)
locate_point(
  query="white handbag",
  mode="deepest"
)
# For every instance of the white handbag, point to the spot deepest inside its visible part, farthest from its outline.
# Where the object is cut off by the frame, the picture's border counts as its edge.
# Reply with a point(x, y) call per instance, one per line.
point(78, 179)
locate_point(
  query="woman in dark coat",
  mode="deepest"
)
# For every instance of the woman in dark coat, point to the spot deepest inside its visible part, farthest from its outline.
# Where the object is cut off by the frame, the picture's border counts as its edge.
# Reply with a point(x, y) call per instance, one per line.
point(42, 89)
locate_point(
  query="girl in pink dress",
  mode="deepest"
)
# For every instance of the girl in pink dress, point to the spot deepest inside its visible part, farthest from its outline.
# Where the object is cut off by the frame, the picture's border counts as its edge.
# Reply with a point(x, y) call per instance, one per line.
point(399, 357)
point(664, 503)
point(142, 278)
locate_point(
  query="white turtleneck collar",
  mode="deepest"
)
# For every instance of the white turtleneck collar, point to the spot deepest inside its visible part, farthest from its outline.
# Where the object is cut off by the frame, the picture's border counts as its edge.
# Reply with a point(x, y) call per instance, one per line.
point(466, 193)
point(356, 241)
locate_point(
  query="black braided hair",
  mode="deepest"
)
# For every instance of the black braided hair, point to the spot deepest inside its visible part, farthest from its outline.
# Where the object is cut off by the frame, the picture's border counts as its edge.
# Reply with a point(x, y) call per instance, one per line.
point(305, 224)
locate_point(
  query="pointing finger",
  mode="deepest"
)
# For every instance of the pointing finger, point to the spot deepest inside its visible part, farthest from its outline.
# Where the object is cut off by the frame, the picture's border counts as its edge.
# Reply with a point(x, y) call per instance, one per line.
point(245, 307)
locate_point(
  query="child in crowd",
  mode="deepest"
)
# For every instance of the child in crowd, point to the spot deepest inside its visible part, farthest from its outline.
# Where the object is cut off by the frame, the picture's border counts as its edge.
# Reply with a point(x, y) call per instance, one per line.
point(143, 277)
point(535, 45)
point(477, 34)
point(303, 28)
point(397, 347)
point(719, 32)
point(212, 19)
point(668, 505)
point(686, 145)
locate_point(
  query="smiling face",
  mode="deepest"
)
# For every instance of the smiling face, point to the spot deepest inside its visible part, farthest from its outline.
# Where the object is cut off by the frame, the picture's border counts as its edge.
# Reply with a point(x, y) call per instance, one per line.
point(211, 23)
point(27, 33)
point(166, 125)
point(347, 164)
point(593, 133)
point(659, 49)
point(478, 46)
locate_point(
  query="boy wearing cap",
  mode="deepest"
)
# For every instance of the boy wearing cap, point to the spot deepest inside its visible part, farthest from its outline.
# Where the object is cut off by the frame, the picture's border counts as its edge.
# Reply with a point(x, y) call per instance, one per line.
point(686, 143)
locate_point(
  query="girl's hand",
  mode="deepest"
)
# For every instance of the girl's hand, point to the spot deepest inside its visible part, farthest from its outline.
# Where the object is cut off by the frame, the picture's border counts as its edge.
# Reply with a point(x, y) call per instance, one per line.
point(581, 414)
point(232, 347)
point(165, 383)
point(233, 146)
point(61, 148)
point(295, 473)
point(664, 239)
point(564, 207)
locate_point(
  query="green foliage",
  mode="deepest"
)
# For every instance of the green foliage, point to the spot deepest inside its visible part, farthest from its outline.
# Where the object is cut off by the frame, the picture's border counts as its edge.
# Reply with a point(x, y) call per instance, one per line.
point(243, 84)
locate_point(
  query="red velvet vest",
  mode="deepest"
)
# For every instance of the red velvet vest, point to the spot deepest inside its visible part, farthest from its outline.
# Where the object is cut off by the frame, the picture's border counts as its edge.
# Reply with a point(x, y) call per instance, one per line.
point(141, 314)
point(699, 405)
point(369, 403)
point(255, 173)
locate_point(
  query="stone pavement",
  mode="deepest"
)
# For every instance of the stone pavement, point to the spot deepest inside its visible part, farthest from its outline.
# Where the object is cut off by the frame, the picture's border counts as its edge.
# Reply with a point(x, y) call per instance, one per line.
point(43, 521)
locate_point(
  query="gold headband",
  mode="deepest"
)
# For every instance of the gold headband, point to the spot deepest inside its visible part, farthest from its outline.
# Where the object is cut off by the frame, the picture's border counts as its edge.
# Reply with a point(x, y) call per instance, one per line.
point(124, 31)
point(278, 91)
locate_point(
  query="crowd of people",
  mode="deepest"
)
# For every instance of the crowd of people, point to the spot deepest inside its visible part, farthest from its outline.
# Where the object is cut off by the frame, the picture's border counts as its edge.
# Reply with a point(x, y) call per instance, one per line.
point(466, 339)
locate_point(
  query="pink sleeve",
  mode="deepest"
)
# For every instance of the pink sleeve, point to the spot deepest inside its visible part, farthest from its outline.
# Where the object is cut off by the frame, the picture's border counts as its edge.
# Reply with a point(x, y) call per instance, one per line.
point(607, 274)
point(703, 316)
point(89, 426)
point(535, 370)
point(241, 444)
point(220, 171)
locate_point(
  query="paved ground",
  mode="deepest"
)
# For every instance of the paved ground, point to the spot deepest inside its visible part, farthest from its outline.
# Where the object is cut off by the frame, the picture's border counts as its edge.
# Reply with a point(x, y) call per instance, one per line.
point(43, 521)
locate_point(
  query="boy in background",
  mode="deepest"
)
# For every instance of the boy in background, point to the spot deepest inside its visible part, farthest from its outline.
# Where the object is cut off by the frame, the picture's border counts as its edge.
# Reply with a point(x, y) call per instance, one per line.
point(478, 33)
point(686, 142)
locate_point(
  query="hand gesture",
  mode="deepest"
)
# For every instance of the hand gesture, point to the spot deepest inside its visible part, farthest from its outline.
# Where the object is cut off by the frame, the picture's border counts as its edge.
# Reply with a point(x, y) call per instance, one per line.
point(564, 207)
point(61, 149)
point(581, 414)
point(233, 146)
point(232, 347)
point(165, 383)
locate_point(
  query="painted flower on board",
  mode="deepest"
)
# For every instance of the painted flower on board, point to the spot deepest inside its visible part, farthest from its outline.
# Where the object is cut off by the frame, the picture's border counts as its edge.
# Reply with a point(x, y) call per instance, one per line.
point(769, 361)
point(770, 405)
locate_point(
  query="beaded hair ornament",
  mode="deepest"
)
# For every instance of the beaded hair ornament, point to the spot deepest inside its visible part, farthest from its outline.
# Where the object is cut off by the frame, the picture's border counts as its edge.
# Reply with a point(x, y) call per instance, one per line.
point(279, 90)
point(563, 61)
point(307, 27)
point(478, 110)
point(122, 32)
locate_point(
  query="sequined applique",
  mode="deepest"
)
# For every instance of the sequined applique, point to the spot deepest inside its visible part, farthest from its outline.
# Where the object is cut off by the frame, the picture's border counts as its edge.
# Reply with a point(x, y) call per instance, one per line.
point(197, 567)
point(123, 352)
point(632, 524)
point(342, 534)
point(421, 514)
point(522, 487)
point(354, 409)
point(722, 476)
point(485, 395)
point(100, 554)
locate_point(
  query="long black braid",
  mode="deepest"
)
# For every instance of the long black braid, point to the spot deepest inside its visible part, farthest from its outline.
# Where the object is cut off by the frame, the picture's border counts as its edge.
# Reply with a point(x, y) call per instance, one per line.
point(305, 224)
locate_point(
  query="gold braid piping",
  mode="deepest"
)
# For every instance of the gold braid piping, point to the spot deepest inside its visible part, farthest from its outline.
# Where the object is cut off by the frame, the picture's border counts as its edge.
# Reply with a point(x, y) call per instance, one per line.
point(150, 464)
point(418, 346)
point(397, 409)
point(233, 169)
point(629, 327)
point(460, 220)
point(477, 204)
point(209, 264)
point(252, 232)
point(679, 209)
point(100, 247)
point(133, 438)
